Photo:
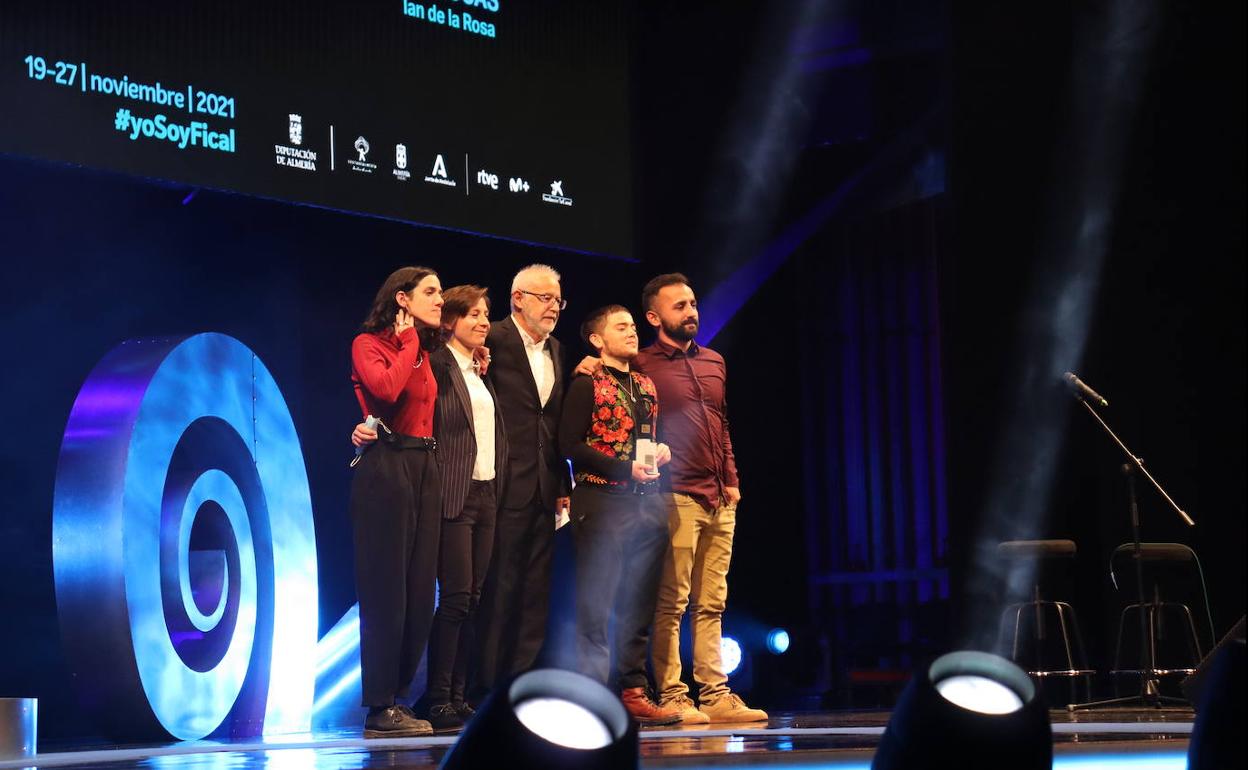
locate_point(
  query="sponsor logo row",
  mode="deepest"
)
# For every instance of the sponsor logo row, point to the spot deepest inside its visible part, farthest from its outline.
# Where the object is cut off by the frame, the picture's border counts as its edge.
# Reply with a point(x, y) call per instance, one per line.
point(295, 156)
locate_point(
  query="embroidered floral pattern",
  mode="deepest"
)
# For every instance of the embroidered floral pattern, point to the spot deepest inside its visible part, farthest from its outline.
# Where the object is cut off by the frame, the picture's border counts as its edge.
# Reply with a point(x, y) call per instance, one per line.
point(611, 430)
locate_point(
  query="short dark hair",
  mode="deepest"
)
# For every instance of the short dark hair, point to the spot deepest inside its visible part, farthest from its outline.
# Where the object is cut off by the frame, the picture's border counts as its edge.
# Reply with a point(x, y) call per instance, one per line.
point(458, 300)
point(596, 320)
point(658, 283)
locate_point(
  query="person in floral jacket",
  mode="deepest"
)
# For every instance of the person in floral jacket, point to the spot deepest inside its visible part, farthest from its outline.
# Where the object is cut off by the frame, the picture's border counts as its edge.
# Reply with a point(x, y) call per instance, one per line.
point(620, 522)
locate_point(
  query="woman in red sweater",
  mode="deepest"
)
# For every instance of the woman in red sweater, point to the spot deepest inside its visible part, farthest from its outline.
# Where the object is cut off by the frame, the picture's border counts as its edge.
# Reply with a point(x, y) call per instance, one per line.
point(395, 504)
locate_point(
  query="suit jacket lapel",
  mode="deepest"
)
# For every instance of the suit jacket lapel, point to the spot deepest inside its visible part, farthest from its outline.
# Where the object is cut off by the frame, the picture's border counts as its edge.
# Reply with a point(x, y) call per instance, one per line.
point(461, 390)
point(553, 346)
point(511, 338)
point(501, 450)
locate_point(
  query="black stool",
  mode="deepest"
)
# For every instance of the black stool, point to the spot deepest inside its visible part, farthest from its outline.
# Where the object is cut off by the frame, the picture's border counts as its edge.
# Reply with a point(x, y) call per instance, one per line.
point(1027, 552)
point(1155, 611)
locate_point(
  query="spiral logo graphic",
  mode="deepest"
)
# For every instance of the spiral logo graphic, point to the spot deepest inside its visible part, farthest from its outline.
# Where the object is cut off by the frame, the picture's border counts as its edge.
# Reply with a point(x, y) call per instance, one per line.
point(183, 544)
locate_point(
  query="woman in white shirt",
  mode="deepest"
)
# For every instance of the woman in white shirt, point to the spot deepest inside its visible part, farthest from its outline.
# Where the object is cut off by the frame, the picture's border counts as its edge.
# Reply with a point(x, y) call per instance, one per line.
point(472, 451)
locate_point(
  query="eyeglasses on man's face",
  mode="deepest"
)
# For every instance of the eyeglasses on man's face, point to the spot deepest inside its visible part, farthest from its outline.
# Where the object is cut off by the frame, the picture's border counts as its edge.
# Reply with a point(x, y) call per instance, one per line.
point(546, 299)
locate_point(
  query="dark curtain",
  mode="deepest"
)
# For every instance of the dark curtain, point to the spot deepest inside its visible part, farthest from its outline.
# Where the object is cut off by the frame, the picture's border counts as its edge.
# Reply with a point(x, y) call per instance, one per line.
point(873, 438)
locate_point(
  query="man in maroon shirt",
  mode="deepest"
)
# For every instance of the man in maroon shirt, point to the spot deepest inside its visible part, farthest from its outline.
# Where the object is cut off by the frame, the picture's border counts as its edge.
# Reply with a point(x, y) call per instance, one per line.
point(702, 493)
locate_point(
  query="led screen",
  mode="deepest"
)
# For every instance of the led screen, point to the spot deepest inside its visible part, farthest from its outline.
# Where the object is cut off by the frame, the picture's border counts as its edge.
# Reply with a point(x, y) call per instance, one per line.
point(501, 117)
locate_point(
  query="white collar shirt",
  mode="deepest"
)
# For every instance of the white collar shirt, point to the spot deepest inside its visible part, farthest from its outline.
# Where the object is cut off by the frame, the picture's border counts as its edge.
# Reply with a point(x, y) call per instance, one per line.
point(541, 362)
point(482, 416)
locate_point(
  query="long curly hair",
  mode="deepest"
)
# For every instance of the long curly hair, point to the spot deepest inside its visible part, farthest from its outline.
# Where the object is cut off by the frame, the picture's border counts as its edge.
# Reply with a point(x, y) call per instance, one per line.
point(384, 308)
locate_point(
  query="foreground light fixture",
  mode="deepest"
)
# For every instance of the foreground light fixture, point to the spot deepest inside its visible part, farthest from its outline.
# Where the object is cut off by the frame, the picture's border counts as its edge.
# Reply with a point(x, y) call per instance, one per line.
point(548, 718)
point(1218, 737)
point(968, 710)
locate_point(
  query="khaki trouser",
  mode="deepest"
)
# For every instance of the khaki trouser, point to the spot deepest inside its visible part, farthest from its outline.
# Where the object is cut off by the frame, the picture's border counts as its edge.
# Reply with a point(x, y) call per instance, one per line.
point(695, 576)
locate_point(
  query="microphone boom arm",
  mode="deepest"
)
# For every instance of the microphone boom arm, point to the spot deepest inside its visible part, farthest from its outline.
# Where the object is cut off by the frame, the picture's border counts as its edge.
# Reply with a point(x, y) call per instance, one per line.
point(1138, 463)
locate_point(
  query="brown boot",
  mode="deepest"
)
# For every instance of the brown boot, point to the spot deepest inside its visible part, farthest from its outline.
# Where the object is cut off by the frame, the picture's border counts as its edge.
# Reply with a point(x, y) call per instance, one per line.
point(646, 712)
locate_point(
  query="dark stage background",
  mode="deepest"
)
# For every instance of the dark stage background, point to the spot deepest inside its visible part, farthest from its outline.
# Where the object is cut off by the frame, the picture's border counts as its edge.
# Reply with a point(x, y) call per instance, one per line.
point(1165, 333)
point(863, 195)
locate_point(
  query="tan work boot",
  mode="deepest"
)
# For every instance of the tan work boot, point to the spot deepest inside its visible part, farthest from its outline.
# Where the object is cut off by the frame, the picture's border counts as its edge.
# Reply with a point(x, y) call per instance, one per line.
point(689, 714)
point(646, 712)
point(730, 708)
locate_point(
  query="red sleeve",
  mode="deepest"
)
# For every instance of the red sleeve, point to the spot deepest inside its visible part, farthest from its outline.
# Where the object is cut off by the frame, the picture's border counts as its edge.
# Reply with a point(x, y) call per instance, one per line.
point(383, 379)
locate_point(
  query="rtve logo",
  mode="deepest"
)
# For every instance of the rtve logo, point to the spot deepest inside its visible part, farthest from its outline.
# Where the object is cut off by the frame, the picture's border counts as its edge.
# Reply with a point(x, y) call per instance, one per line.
point(486, 179)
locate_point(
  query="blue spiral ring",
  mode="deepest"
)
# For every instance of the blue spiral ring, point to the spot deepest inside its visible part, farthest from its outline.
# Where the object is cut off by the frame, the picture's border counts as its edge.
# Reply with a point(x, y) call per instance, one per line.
point(170, 442)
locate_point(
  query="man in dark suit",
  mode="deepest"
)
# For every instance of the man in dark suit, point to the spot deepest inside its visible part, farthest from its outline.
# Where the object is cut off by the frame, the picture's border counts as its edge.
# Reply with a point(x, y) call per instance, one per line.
point(527, 371)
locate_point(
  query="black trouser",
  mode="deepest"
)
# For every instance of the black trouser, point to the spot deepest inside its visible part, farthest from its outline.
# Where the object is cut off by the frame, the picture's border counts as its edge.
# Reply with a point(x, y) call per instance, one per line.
point(467, 541)
point(396, 517)
point(621, 539)
point(516, 600)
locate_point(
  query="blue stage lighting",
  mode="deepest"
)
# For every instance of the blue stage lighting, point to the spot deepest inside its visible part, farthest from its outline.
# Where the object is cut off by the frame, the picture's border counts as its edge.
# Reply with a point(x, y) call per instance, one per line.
point(338, 684)
point(777, 641)
point(730, 654)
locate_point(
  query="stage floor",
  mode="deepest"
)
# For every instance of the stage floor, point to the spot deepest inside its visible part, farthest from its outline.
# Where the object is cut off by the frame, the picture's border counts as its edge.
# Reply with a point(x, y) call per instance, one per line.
point(1135, 738)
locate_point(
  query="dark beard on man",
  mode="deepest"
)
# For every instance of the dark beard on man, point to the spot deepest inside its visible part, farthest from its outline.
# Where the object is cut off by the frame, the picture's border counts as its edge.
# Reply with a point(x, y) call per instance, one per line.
point(680, 332)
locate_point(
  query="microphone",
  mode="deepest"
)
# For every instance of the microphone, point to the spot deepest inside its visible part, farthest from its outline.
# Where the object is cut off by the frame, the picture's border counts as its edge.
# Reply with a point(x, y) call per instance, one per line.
point(370, 422)
point(1082, 390)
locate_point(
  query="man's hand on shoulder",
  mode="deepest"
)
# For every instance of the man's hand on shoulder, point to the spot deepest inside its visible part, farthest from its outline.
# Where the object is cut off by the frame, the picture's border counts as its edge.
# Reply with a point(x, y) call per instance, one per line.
point(481, 358)
point(589, 366)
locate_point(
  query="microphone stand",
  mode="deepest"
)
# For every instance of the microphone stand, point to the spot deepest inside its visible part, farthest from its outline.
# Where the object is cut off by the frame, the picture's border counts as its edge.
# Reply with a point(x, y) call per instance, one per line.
point(1149, 695)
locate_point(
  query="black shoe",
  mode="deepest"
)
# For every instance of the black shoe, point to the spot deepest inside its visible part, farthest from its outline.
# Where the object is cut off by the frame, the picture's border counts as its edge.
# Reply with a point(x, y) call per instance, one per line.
point(465, 711)
point(394, 722)
point(445, 719)
point(409, 711)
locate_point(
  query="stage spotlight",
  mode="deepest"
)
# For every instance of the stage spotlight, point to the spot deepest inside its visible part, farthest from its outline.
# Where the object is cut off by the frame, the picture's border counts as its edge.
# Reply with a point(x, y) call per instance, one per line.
point(1217, 737)
point(980, 694)
point(563, 722)
point(547, 718)
point(968, 710)
point(730, 654)
point(778, 641)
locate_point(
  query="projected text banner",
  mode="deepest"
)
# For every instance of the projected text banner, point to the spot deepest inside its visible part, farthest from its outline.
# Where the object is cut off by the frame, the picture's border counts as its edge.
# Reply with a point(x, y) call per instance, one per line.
point(502, 117)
